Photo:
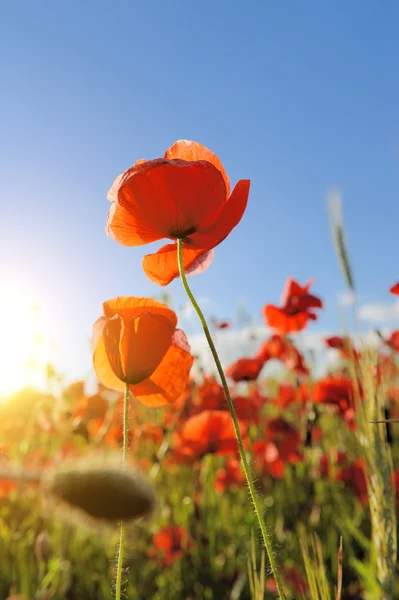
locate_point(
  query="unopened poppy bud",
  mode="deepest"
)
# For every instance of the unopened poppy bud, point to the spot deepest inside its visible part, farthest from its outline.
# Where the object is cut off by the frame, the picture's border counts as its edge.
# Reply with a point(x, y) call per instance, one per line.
point(106, 493)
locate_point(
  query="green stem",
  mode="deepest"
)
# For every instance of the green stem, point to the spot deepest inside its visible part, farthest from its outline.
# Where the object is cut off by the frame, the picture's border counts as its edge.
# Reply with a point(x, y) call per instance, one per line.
point(124, 459)
point(255, 499)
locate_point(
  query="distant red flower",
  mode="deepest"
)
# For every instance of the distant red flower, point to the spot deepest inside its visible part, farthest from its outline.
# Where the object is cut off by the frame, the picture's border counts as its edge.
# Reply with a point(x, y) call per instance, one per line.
point(209, 432)
point(248, 407)
point(281, 348)
point(231, 475)
point(170, 543)
point(395, 289)
point(338, 392)
point(267, 459)
point(296, 308)
point(395, 480)
point(221, 324)
point(292, 578)
point(185, 195)
point(7, 486)
point(288, 394)
point(393, 341)
point(285, 436)
point(91, 407)
point(281, 447)
point(353, 476)
point(210, 396)
point(244, 369)
point(343, 345)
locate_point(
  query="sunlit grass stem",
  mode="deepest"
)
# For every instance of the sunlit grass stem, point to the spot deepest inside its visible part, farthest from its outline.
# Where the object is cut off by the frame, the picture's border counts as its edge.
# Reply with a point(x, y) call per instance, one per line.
point(244, 461)
point(124, 460)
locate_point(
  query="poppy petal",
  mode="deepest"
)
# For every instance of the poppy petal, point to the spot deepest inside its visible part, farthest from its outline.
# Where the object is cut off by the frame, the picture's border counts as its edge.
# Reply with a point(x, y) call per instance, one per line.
point(129, 307)
point(144, 342)
point(192, 151)
point(395, 289)
point(201, 263)
point(103, 369)
point(128, 229)
point(162, 267)
point(168, 381)
point(277, 319)
point(171, 198)
point(113, 190)
point(228, 218)
point(112, 333)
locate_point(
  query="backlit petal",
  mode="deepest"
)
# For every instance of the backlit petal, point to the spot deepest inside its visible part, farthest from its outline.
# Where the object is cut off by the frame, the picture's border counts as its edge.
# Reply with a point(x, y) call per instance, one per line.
point(168, 381)
point(145, 341)
point(162, 267)
point(112, 333)
point(129, 307)
point(192, 151)
point(229, 216)
point(128, 229)
point(171, 198)
point(102, 367)
point(277, 319)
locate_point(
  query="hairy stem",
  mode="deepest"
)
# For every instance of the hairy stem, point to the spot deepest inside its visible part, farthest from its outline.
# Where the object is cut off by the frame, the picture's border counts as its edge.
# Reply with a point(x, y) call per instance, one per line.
point(122, 532)
point(244, 461)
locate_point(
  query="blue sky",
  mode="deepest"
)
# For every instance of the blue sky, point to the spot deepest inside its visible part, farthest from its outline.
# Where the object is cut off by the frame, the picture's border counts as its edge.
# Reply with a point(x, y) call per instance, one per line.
point(300, 97)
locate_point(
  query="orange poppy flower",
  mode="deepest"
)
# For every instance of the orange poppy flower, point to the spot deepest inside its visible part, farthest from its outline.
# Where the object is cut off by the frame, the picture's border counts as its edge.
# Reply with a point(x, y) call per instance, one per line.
point(295, 311)
point(136, 342)
point(209, 432)
point(395, 289)
point(185, 195)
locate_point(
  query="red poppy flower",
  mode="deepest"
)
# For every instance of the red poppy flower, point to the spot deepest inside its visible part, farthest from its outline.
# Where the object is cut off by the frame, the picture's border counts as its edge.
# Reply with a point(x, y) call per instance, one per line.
point(244, 369)
point(136, 342)
point(338, 392)
point(355, 479)
point(231, 475)
point(185, 195)
point(267, 459)
point(393, 341)
point(395, 289)
point(343, 345)
point(171, 543)
point(223, 325)
point(286, 438)
point(295, 310)
point(292, 579)
point(289, 394)
point(281, 348)
point(210, 432)
point(248, 408)
point(209, 396)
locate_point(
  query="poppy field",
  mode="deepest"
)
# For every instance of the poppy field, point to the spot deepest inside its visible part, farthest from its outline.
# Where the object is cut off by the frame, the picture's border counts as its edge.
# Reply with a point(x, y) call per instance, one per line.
point(256, 480)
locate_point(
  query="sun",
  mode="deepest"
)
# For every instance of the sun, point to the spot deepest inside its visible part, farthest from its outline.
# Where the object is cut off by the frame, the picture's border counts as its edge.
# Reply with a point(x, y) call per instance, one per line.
point(23, 352)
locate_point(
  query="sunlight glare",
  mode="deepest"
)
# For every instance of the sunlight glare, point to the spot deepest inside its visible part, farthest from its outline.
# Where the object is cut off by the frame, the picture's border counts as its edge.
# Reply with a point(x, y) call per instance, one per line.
point(23, 348)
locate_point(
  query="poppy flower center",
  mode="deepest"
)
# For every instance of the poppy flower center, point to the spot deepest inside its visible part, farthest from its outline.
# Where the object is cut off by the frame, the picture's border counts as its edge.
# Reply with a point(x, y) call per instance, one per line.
point(182, 234)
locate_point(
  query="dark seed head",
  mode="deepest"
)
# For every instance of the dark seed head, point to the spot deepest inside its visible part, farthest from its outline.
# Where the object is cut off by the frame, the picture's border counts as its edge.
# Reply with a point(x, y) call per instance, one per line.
point(109, 494)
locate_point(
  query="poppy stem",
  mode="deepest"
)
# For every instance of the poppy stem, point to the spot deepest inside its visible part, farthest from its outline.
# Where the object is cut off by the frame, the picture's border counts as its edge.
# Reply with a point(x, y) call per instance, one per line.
point(244, 461)
point(122, 530)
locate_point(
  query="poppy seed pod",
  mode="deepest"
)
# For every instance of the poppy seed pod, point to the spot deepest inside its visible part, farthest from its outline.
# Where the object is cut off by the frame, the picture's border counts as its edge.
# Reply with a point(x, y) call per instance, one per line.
point(106, 493)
